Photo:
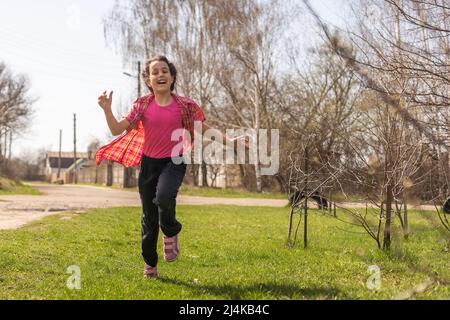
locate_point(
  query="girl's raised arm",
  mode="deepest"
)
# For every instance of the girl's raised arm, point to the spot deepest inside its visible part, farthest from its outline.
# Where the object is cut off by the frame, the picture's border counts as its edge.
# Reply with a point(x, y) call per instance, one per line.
point(116, 127)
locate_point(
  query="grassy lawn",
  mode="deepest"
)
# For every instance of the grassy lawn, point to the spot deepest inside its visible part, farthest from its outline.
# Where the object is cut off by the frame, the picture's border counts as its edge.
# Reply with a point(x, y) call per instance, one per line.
point(227, 253)
point(187, 190)
point(8, 186)
point(227, 193)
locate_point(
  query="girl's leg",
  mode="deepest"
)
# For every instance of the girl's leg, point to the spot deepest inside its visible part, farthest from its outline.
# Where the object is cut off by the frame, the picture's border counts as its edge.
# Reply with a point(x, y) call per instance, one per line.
point(169, 182)
point(148, 180)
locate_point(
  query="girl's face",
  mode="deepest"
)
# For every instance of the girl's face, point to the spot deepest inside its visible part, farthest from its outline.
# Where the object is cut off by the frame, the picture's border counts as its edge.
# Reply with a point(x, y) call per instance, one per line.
point(160, 78)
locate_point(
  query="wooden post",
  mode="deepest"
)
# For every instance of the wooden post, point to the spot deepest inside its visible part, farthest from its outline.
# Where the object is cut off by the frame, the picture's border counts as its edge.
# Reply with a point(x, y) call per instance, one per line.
point(330, 203)
point(291, 214)
point(109, 174)
point(405, 216)
point(59, 157)
point(75, 178)
point(305, 232)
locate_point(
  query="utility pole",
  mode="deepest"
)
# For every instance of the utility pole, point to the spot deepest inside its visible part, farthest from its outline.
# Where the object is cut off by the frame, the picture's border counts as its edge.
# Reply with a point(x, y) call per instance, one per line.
point(59, 158)
point(127, 172)
point(75, 178)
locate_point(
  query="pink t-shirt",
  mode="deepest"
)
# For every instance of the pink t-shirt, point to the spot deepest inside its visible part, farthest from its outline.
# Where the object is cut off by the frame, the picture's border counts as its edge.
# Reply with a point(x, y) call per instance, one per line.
point(159, 123)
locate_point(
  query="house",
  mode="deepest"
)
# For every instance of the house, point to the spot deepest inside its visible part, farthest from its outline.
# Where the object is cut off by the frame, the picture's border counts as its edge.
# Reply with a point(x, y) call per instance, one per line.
point(219, 176)
point(65, 167)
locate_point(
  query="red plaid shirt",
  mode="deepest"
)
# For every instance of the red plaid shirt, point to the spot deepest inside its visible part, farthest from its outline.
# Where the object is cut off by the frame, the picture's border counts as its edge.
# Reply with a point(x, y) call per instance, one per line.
point(127, 148)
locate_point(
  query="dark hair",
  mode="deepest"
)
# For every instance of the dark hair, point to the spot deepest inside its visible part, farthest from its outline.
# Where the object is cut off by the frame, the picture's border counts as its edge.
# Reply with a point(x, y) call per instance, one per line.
point(146, 72)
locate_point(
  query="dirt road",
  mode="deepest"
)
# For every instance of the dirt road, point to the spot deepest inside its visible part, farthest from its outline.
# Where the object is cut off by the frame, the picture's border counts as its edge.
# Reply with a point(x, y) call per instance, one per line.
point(18, 210)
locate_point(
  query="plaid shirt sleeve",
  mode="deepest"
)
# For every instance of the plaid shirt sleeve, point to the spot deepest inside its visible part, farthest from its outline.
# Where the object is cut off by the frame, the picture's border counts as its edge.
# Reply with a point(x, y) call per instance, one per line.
point(198, 112)
point(127, 148)
point(135, 113)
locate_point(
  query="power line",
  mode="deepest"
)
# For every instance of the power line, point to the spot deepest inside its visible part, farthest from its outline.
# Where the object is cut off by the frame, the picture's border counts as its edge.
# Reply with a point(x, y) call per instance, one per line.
point(66, 72)
point(69, 66)
point(44, 45)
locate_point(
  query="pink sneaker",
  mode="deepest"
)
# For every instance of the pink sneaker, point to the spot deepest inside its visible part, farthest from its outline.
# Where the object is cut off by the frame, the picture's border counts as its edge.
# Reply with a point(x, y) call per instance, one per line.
point(150, 272)
point(171, 247)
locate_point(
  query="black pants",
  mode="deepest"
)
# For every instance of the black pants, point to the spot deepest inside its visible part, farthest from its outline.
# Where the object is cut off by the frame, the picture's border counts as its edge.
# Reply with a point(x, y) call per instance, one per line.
point(159, 181)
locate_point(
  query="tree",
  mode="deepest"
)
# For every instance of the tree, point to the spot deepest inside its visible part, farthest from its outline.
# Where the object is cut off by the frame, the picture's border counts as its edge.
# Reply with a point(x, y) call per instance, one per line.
point(317, 101)
point(411, 67)
point(232, 82)
point(15, 106)
point(393, 132)
point(247, 68)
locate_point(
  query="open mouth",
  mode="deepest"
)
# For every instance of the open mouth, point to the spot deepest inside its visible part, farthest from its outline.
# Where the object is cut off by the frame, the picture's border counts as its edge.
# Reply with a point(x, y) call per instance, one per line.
point(161, 81)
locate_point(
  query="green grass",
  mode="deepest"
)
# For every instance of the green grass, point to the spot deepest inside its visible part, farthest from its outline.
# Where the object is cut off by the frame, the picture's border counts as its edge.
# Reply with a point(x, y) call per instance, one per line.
point(228, 252)
point(8, 187)
point(187, 190)
point(227, 193)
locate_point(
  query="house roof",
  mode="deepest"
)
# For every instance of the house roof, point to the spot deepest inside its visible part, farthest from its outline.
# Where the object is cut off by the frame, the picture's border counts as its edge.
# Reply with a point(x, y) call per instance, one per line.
point(65, 162)
point(83, 155)
point(66, 158)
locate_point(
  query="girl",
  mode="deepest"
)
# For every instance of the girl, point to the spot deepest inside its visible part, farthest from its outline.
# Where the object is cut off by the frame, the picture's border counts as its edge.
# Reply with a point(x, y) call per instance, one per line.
point(149, 127)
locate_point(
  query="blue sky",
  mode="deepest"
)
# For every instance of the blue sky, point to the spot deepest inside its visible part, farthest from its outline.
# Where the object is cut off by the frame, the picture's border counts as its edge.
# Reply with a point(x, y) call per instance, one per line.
point(60, 45)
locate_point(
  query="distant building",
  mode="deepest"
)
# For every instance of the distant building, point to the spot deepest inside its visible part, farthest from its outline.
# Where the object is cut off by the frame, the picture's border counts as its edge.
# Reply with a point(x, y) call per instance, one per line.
point(218, 176)
point(67, 167)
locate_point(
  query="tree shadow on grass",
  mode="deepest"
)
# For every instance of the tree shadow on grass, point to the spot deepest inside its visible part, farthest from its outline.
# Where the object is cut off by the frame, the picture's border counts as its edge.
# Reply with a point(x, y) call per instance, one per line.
point(269, 290)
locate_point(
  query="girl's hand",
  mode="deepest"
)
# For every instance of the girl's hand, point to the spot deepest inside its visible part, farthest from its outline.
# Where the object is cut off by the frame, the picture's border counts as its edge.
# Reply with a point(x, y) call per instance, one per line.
point(105, 102)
